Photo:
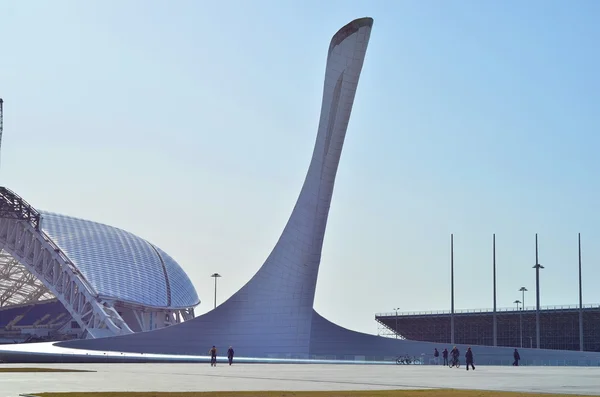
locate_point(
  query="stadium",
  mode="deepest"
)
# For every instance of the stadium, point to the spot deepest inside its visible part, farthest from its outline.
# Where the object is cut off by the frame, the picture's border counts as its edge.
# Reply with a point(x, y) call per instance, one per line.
point(565, 327)
point(65, 278)
point(515, 328)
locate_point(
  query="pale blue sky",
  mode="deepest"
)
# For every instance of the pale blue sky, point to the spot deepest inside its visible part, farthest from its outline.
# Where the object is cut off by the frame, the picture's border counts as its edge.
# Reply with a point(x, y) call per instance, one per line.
point(191, 124)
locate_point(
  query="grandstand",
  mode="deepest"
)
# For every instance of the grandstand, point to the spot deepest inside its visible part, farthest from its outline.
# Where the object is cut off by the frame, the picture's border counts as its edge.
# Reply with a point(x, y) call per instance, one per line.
point(63, 277)
point(559, 327)
point(44, 320)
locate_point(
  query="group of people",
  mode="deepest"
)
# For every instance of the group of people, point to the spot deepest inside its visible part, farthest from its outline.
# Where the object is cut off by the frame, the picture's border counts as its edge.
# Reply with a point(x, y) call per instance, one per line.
point(213, 356)
point(455, 353)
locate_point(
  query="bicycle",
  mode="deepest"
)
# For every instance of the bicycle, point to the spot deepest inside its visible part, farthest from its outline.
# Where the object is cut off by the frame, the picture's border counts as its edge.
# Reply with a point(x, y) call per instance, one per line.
point(454, 363)
point(407, 360)
point(403, 360)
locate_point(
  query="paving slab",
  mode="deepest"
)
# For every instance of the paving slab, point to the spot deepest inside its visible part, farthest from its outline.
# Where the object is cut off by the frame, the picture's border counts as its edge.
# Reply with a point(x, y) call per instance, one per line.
point(202, 377)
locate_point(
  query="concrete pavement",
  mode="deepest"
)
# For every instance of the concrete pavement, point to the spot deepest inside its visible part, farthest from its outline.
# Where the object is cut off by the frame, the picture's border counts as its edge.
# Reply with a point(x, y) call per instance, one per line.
point(202, 377)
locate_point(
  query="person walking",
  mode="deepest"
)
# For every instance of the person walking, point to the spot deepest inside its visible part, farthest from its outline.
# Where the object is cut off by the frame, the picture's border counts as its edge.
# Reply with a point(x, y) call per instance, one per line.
point(213, 356)
point(230, 354)
point(517, 357)
point(469, 358)
point(445, 356)
point(436, 356)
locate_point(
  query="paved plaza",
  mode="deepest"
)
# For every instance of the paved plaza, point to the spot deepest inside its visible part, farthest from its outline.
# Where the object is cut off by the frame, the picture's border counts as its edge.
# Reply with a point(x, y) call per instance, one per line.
point(201, 377)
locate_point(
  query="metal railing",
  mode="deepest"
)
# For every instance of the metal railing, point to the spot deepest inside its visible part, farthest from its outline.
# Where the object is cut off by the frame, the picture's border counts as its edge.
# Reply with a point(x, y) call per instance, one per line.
point(488, 311)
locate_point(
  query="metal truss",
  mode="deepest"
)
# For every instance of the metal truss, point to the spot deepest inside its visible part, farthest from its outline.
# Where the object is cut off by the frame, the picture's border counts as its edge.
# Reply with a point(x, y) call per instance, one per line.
point(383, 330)
point(387, 330)
point(17, 285)
point(150, 319)
point(187, 314)
point(21, 237)
point(13, 206)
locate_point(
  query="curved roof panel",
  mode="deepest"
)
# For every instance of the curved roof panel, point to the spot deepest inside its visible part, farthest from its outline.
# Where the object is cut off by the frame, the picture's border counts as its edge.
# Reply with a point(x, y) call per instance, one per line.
point(119, 264)
point(178, 280)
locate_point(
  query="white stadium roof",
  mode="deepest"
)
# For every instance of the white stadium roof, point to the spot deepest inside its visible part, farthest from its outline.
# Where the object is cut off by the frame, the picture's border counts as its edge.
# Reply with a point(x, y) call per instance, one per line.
point(120, 265)
point(98, 272)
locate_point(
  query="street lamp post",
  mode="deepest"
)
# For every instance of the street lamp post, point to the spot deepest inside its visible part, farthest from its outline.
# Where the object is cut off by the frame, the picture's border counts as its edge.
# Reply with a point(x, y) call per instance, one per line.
point(523, 290)
point(396, 330)
point(215, 276)
point(537, 268)
point(520, 320)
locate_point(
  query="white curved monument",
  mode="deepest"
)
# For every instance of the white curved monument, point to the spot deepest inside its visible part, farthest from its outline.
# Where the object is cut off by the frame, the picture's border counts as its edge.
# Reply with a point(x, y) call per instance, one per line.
point(272, 316)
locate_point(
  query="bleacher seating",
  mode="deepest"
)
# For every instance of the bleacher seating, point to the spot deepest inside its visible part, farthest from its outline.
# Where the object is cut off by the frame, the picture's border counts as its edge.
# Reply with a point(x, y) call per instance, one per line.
point(59, 320)
point(37, 314)
point(41, 320)
point(15, 320)
point(18, 322)
point(8, 314)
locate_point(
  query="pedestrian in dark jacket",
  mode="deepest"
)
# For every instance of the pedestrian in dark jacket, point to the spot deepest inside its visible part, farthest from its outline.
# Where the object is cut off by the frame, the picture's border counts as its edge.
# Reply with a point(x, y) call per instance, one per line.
point(517, 357)
point(469, 358)
point(445, 356)
point(230, 355)
point(213, 356)
point(436, 356)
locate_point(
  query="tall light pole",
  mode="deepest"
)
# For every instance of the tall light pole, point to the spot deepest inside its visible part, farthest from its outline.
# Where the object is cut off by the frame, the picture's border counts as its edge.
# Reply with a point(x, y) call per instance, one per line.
point(580, 298)
point(396, 330)
point(537, 268)
point(452, 289)
point(215, 276)
point(495, 320)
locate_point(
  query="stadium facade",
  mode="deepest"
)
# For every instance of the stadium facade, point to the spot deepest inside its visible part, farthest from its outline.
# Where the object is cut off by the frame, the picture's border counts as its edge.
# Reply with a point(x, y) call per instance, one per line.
point(272, 316)
point(94, 280)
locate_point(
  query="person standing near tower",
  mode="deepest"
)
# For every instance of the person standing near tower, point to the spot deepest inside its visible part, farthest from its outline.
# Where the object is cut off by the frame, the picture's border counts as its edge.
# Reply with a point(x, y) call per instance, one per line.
point(230, 355)
point(213, 356)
